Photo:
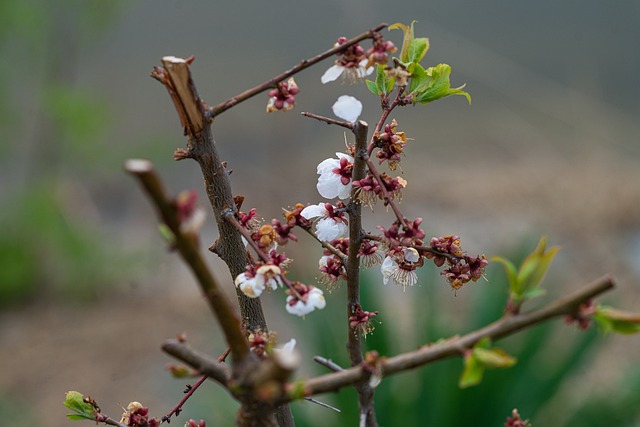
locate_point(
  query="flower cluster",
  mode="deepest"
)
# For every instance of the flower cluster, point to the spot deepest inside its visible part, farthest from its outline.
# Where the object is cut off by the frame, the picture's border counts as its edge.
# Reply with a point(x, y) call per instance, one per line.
point(583, 316)
point(303, 299)
point(370, 190)
point(353, 64)
point(261, 342)
point(399, 267)
point(331, 223)
point(256, 279)
point(283, 96)
point(404, 235)
point(379, 52)
point(462, 268)
point(516, 421)
point(361, 321)
point(370, 254)
point(331, 266)
point(137, 415)
point(193, 423)
point(390, 144)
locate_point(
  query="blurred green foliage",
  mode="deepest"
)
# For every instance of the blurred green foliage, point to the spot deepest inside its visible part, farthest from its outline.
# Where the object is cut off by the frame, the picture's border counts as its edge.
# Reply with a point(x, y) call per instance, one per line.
point(53, 133)
point(550, 356)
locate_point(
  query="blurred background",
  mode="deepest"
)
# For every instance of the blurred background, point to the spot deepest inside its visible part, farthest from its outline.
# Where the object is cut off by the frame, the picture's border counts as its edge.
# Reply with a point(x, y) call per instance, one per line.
point(550, 146)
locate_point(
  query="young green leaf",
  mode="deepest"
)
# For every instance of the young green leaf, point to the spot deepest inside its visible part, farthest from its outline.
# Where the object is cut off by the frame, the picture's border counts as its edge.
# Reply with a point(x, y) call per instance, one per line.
point(74, 401)
point(373, 88)
point(472, 372)
point(535, 266)
point(435, 84)
point(493, 358)
point(511, 271)
point(413, 49)
point(611, 319)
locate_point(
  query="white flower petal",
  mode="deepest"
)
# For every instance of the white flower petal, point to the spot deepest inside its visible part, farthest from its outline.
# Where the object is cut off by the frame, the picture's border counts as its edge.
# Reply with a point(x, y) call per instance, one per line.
point(323, 260)
point(362, 71)
point(251, 287)
point(316, 298)
point(411, 254)
point(344, 191)
point(313, 211)
point(332, 74)
point(388, 268)
point(344, 156)
point(329, 185)
point(327, 229)
point(328, 165)
point(347, 108)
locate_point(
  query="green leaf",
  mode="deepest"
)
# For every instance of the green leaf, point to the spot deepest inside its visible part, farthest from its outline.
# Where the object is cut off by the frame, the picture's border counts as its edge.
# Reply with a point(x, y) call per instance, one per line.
point(611, 319)
point(408, 36)
point(74, 401)
point(472, 372)
point(535, 266)
point(418, 48)
point(167, 234)
point(509, 269)
point(435, 84)
point(493, 358)
point(372, 87)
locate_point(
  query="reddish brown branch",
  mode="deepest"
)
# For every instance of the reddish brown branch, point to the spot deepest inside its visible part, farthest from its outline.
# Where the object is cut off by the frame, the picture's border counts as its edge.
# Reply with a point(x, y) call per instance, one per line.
point(306, 63)
point(329, 120)
point(187, 246)
point(503, 327)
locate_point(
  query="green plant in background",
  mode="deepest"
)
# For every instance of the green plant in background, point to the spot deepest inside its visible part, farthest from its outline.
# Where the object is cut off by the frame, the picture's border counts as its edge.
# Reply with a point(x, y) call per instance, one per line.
point(49, 246)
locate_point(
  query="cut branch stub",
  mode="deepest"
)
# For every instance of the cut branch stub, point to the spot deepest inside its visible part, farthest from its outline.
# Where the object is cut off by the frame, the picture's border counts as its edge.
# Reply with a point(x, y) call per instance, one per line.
point(176, 76)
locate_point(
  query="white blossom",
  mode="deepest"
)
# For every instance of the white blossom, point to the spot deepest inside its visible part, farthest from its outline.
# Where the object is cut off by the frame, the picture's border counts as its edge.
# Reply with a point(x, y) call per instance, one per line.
point(267, 276)
point(393, 273)
point(347, 108)
point(350, 73)
point(330, 182)
point(315, 300)
point(327, 228)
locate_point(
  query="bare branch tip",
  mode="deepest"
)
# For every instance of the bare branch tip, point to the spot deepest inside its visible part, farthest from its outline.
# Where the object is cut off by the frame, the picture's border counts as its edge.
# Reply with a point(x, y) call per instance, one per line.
point(138, 166)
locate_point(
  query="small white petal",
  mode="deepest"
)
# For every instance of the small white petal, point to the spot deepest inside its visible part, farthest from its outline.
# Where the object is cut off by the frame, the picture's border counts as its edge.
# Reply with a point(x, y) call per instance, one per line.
point(323, 261)
point(250, 286)
point(313, 211)
point(332, 74)
point(329, 185)
point(328, 165)
point(328, 229)
point(344, 191)
point(344, 156)
point(347, 108)
point(290, 345)
point(316, 298)
point(362, 71)
point(411, 255)
point(388, 268)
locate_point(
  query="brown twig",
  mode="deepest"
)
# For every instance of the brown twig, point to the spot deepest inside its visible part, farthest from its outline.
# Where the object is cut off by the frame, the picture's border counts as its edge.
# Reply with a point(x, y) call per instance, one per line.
point(329, 120)
point(306, 63)
point(187, 246)
point(328, 246)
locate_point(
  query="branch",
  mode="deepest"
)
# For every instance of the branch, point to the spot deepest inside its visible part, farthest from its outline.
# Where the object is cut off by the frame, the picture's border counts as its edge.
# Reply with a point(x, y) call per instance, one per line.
point(187, 246)
point(503, 327)
point(306, 63)
point(329, 120)
point(220, 372)
point(354, 341)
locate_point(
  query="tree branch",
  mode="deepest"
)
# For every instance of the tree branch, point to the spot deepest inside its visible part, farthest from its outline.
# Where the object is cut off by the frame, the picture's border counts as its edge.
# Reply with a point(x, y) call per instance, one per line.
point(187, 246)
point(503, 327)
point(354, 340)
point(221, 372)
point(306, 63)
